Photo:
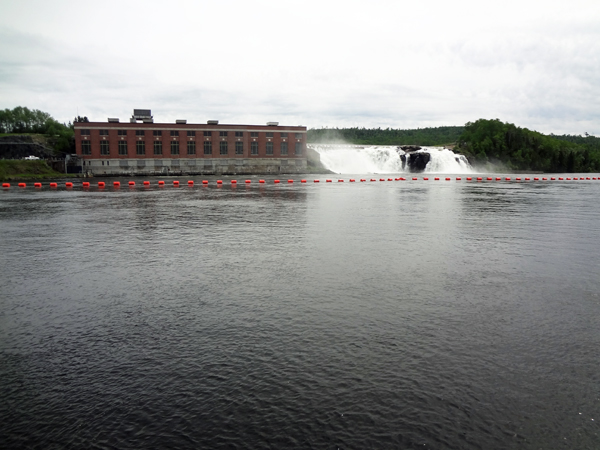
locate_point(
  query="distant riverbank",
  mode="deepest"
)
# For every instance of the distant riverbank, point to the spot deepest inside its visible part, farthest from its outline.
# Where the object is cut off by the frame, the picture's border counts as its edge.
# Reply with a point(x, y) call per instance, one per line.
point(19, 169)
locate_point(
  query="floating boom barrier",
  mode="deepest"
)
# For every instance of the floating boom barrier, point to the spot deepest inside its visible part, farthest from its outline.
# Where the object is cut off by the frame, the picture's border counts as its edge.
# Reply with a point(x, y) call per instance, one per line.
point(233, 183)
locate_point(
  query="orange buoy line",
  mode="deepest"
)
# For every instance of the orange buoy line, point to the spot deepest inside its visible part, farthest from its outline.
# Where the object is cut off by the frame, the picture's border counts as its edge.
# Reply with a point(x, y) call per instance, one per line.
point(190, 183)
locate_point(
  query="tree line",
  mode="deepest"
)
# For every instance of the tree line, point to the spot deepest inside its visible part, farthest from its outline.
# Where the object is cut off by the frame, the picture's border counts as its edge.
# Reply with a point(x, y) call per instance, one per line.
point(518, 148)
point(386, 136)
point(22, 120)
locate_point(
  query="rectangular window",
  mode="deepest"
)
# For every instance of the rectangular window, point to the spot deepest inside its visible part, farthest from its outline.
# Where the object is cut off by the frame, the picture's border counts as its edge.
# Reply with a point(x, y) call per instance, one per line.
point(239, 134)
point(298, 135)
point(254, 134)
point(208, 133)
point(103, 132)
point(122, 132)
point(208, 147)
point(140, 133)
point(158, 147)
point(191, 133)
point(104, 148)
point(283, 135)
point(223, 147)
point(174, 133)
point(85, 132)
point(269, 148)
point(140, 148)
point(174, 147)
point(191, 147)
point(254, 148)
point(122, 147)
point(157, 132)
point(223, 133)
point(239, 148)
point(298, 148)
point(284, 148)
point(269, 134)
point(86, 148)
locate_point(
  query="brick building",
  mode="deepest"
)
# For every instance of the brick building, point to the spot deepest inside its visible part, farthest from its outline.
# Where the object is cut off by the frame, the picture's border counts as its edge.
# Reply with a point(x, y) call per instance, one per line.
point(142, 147)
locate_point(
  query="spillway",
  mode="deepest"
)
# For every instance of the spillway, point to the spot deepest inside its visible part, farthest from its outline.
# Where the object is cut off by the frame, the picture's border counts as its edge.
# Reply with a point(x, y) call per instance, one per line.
point(386, 159)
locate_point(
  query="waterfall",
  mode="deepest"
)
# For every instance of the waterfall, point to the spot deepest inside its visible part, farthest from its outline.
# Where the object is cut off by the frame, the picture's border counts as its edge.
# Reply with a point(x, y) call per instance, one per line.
point(341, 158)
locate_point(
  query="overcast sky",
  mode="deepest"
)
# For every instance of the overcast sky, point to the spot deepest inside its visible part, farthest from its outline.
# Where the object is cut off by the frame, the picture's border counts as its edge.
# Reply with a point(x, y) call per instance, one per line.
point(400, 64)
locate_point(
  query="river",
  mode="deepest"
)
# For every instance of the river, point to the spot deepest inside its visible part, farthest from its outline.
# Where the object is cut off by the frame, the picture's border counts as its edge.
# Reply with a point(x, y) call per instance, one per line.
point(403, 314)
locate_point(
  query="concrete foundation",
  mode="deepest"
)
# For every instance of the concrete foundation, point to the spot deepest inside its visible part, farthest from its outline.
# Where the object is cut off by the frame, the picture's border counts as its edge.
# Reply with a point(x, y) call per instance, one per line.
point(193, 166)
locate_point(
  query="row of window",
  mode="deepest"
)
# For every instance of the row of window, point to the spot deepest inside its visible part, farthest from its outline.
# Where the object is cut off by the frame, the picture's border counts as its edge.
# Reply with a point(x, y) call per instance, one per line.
point(190, 133)
point(140, 148)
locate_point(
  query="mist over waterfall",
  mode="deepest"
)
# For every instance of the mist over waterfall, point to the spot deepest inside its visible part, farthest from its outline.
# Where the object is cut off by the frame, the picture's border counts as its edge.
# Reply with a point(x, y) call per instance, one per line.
point(341, 158)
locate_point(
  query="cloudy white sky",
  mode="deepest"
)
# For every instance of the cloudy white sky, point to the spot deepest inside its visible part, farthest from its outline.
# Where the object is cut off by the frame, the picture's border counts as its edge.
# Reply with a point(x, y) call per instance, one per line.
point(377, 63)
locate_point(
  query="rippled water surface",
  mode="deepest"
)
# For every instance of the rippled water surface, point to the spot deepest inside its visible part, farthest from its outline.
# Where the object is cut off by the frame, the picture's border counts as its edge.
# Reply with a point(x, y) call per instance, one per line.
point(432, 315)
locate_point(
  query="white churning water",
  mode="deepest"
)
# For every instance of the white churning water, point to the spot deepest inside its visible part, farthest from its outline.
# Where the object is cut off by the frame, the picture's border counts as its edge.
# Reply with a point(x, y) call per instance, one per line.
point(386, 159)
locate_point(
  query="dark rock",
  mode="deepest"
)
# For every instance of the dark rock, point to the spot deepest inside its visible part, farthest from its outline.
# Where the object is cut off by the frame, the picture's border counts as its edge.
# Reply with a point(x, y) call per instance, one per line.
point(19, 147)
point(417, 162)
point(410, 148)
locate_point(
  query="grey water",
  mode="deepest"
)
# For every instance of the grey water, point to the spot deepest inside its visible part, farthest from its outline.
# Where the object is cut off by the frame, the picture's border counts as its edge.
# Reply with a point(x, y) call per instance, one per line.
point(430, 315)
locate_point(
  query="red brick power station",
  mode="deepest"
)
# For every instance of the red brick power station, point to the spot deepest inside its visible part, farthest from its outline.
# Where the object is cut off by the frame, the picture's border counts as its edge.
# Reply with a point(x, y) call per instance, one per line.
point(142, 147)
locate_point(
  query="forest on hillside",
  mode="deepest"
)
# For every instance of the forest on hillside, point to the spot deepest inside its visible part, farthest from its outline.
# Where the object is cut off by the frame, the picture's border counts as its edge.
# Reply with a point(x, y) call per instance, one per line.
point(518, 148)
point(385, 136)
point(22, 120)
